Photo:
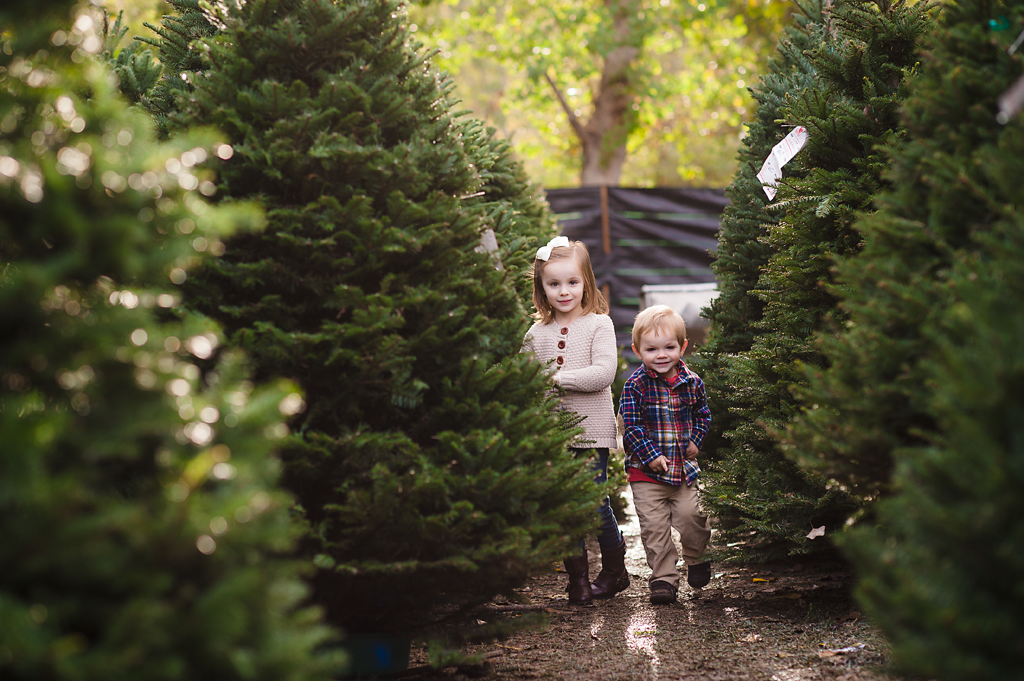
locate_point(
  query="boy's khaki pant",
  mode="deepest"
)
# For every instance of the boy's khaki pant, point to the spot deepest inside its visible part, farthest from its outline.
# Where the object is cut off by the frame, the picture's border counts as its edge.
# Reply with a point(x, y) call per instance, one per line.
point(660, 508)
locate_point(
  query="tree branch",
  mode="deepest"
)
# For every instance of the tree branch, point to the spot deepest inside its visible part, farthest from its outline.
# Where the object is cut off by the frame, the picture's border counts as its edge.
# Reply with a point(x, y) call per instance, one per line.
point(574, 121)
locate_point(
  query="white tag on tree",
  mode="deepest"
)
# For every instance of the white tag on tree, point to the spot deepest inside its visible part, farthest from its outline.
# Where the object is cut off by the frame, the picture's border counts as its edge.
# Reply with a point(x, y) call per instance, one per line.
point(782, 153)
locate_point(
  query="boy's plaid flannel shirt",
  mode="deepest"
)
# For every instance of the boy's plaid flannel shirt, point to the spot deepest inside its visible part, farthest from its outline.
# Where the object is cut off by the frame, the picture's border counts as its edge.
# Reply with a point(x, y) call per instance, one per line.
point(661, 417)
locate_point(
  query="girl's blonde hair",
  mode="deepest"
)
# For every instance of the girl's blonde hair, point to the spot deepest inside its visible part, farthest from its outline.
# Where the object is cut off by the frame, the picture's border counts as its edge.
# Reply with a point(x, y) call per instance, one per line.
point(592, 301)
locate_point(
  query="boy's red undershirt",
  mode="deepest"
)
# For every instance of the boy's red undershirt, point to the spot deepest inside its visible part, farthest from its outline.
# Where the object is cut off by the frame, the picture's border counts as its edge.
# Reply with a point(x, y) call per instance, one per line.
point(637, 475)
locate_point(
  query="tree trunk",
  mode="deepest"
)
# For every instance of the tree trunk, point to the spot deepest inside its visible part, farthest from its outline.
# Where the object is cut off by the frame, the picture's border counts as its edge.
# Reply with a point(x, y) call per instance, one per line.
point(604, 136)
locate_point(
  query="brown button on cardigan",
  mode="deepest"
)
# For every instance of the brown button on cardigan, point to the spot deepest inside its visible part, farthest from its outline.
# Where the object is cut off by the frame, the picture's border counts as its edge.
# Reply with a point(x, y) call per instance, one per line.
point(590, 359)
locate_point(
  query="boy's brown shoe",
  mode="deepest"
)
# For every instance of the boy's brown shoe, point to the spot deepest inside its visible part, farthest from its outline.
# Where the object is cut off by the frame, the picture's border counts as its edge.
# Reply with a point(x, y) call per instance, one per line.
point(698, 575)
point(662, 593)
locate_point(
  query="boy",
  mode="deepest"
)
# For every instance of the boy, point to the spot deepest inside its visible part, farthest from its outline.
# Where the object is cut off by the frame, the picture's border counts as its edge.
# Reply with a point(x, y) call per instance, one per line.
point(665, 415)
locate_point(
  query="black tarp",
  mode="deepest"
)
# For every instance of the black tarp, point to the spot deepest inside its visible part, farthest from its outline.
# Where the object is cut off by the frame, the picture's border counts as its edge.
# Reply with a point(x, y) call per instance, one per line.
point(653, 236)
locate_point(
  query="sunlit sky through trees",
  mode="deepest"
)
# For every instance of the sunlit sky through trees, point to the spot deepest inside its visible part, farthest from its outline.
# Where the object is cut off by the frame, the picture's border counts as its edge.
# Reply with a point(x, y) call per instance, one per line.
point(687, 96)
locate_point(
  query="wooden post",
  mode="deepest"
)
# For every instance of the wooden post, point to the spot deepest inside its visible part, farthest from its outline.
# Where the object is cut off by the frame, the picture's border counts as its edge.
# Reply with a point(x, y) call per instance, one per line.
point(606, 238)
point(606, 234)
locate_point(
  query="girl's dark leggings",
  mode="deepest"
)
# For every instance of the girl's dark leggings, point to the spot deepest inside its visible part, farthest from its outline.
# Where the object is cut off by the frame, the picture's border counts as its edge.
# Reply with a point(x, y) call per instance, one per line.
point(608, 535)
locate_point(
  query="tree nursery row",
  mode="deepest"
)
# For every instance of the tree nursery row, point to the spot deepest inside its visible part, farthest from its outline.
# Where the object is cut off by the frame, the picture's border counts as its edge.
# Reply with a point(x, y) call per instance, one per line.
point(261, 384)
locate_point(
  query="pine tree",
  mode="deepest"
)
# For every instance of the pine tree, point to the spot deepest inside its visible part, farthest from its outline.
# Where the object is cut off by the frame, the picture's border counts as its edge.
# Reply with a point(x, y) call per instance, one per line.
point(871, 406)
point(862, 59)
point(428, 464)
point(741, 255)
point(941, 561)
point(143, 532)
point(941, 569)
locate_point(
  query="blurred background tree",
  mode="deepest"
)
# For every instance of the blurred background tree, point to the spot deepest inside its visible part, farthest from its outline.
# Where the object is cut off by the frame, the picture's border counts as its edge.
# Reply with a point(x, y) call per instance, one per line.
point(624, 92)
point(144, 534)
point(667, 108)
point(923, 403)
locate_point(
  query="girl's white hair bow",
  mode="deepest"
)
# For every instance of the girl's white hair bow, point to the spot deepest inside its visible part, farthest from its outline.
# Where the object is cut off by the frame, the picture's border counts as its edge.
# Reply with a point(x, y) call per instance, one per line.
point(544, 252)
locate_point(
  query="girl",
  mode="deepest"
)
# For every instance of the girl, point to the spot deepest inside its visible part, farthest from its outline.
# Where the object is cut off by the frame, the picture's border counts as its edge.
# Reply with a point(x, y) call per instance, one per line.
point(573, 329)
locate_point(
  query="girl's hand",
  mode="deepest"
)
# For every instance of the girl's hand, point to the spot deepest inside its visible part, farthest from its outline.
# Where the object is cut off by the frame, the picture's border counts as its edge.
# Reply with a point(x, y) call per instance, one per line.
point(659, 465)
point(691, 450)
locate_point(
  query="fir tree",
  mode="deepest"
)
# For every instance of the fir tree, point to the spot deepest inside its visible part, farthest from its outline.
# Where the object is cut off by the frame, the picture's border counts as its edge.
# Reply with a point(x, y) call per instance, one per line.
point(428, 464)
point(513, 207)
point(137, 70)
point(872, 409)
point(143, 533)
point(865, 52)
point(941, 569)
point(741, 255)
point(941, 561)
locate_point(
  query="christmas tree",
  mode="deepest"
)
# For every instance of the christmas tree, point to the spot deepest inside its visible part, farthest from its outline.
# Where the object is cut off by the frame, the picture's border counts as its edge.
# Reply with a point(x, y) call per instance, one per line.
point(144, 536)
point(741, 255)
point(862, 56)
point(871, 408)
point(427, 463)
point(513, 208)
point(941, 561)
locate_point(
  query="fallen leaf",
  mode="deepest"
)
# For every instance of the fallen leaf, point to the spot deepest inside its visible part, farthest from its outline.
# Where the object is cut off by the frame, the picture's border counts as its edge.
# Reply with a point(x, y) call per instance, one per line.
point(761, 579)
point(791, 596)
point(816, 532)
point(831, 652)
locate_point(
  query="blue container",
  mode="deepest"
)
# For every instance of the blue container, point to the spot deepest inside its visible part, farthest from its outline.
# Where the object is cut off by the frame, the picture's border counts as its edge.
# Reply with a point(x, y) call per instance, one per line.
point(376, 654)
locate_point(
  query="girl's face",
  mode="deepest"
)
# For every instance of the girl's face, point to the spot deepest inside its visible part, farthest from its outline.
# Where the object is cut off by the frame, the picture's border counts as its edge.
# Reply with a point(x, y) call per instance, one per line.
point(563, 287)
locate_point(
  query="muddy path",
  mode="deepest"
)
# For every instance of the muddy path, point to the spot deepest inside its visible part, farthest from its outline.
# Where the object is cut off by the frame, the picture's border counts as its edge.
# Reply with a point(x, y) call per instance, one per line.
point(786, 621)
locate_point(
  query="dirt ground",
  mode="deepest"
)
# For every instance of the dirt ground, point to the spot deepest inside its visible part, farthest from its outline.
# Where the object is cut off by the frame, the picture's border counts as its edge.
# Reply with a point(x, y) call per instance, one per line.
point(787, 621)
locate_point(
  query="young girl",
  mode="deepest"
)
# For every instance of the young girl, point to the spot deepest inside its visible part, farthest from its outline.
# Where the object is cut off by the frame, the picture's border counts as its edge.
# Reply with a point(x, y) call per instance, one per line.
point(573, 329)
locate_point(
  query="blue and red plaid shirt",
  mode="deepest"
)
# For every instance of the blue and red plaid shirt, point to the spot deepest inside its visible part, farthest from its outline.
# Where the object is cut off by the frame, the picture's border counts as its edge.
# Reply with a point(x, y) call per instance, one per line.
point(660, 418)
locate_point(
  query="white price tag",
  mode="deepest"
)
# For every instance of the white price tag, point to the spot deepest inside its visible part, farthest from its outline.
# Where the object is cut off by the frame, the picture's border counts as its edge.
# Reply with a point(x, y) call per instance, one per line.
point(782, 153)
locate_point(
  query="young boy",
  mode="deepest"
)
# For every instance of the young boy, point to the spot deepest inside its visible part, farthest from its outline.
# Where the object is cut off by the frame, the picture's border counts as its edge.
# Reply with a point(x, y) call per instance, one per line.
point(665, 414)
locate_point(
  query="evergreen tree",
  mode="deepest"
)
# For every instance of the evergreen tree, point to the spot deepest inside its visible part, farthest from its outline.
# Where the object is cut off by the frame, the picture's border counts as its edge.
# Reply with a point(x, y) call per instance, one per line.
point(428, 464)
point(862, 59)
point(941, 563)
point(871, 406)
point(513, 207)
point(138, 71)
point(941, 569)
point(741, 255)
point(143, 533)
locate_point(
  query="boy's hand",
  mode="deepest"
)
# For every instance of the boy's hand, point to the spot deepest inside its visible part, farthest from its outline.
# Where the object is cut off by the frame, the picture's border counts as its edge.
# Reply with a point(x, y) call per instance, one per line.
point(659, 465)
point(691, 450)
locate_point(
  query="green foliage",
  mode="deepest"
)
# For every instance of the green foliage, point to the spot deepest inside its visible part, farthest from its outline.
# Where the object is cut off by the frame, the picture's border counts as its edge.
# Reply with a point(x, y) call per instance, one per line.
point(871, 409)
point(427, 462)
point(685, 86)
point(941, 571)
point(742, 251)
point(942, 276)
point(137, 70)
point(862, 55)
point(143, 534)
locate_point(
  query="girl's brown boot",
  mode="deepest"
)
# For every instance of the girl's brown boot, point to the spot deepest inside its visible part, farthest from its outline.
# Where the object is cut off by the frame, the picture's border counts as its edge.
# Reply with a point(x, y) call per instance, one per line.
point(578, 569)
point(613, 577)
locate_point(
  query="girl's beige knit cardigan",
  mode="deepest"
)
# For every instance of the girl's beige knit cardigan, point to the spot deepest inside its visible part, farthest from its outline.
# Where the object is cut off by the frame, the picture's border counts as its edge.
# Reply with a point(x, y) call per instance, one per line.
point(589, 361)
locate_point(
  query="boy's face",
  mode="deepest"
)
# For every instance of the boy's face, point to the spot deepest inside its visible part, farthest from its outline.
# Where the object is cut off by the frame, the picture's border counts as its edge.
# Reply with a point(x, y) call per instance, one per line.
point(660, 352)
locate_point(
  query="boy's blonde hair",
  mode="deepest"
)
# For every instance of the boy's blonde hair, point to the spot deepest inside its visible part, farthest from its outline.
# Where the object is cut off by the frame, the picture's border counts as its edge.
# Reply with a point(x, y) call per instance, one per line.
point(659, 317)
point(592, 301)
